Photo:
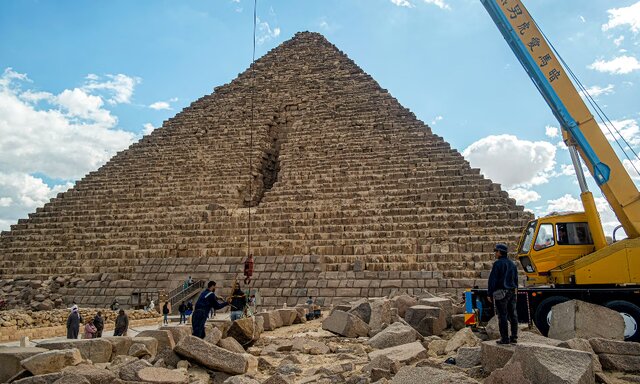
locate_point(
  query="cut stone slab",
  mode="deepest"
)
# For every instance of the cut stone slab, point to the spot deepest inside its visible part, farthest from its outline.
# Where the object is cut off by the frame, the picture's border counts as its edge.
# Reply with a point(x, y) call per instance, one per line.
point(73, 379)
point(129, 371)
point(622, 363)
point(10, 360)
point(308, 346)
point(457, 322)
point(287, 315)
point(278, 378)
point(214, 357)
point(230, 344)
point(496, 356)
point(394, 334)
point(405, 354)
point(51, 361)
point(345, 324)
point(163, 376)
point(584, 346)
point(49, 378)
point(246, 331)
point(510, 374)
point(441, 302)
point(426, 319)
point(269, 319)
point(164, 337)
point(414, 375)
point(492, 328)
point(468, 357)
point(462, 338)
point(584, 320)
point(615, 347)
point(96, 350)
point(122, 344)
point(138, 350)
point(553, 365)
point(91, 373)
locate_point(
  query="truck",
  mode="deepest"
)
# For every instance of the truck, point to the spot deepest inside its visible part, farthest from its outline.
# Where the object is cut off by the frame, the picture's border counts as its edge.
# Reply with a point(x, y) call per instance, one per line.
point(567, 256)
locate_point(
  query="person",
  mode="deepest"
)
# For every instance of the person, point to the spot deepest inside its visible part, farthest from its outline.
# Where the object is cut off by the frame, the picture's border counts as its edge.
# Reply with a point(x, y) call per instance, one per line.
point(165, 313)
point(206, 300)
point(73, 323)
point(502, 291)
point(182, 308)
point(189, 281)
point(563, 238)
point(310, 300)
point(189, 310)
point(89, 330)
point(115, 305)
point(122, 324)
point(98, 322)
point(238, 302)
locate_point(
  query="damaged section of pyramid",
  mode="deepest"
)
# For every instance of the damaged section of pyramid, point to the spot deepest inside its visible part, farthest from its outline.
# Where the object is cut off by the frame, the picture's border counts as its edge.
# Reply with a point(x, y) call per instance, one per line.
point(351, 196)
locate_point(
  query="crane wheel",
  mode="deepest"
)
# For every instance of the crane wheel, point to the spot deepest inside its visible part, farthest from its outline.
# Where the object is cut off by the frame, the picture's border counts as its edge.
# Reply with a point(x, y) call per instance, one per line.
point(631, 315)
point(542, 316)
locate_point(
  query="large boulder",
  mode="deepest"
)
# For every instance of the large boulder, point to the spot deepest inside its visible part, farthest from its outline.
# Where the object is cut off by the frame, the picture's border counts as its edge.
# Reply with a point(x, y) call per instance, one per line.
point(164, 337)
point(91, 373)
point(405, 354)
point(362, 309)
point(496, 356)
point(122, 344)
point(163, 376)
point(96, 350)
point(577, 318)
point(49, 378)
point(614, 347)
point(441, 302)
point(270, 320)
point(492, 329)
point(129, 371)
point(622, 363)
point(395, 334)
point(553, 365)
point(510, 374)
point(230, 344)
point(413, 375)
point(72, 379)
point(584, 346)
point(402, 303)
point(462, 338)
point(214, 357)
point(213, 336)
point(345, 324)
point(51, 361)
point(177, 331)
point(246, 331)
point(138, 350)
point(381, 316)
point(309, 346)
point(468, 357)
point(10, 360)
point(426, 319)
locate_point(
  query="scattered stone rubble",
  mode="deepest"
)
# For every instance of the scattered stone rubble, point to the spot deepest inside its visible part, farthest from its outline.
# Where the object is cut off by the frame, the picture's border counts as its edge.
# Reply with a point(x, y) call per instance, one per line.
point(381, 347)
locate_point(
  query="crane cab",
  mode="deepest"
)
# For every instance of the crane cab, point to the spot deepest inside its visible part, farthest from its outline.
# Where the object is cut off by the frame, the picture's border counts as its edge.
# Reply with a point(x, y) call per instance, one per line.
point(552, 241)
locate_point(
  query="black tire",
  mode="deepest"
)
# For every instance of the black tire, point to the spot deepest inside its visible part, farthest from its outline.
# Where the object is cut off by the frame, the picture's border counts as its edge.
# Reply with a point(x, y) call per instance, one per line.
point(631, 312)
point(540, 317)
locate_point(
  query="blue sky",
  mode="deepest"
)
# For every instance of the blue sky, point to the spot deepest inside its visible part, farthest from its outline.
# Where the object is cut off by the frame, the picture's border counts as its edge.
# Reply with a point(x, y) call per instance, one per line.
point(82, 80)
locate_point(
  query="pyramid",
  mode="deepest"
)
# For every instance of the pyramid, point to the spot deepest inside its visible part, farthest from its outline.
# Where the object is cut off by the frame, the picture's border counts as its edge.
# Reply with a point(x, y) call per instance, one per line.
point(350, 196)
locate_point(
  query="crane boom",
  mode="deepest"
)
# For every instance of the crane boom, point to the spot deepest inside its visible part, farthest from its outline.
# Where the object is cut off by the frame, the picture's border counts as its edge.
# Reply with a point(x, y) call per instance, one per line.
point(579, 127)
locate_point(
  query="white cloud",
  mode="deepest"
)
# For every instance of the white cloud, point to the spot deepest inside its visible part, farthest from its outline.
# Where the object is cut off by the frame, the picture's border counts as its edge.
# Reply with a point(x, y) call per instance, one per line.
point(596, 90)
point(159, 105)
point(524, 196)
point(265, 32)
point(624, 16)
point(551, 131)
point(403, 3)
point(620, 65)
point(628, 128)
point(568, 170)
point(569, 203)
point(512, 162)
point(119, 86)
point(618, 41)
point(60, 136)
point(629, 166)
point(148, 128)
point(439, 3)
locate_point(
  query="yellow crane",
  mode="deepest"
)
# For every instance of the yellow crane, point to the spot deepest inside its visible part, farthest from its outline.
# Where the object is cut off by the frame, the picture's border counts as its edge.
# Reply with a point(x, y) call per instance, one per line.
point(566, 256)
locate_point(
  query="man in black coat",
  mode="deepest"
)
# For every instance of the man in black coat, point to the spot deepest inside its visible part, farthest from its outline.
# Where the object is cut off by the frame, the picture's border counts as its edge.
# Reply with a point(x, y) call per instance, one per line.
point(98, 322)
point(503, 285)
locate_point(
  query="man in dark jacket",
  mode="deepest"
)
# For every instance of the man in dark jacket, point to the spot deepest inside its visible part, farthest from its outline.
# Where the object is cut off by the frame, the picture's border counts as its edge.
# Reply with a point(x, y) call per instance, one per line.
point(206, 301)
point(182, 308)
point(73, 323)
point(122, 324)
point(98, 322)
point(238, 302)
point(503, 285)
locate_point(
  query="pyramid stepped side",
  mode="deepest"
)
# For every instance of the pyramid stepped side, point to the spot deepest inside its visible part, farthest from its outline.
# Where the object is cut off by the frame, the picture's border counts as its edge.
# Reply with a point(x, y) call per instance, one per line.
point(350, 196)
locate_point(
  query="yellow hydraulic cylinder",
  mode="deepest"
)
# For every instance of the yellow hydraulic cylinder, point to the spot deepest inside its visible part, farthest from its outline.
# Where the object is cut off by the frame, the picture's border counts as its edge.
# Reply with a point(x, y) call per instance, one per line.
point(593, 218)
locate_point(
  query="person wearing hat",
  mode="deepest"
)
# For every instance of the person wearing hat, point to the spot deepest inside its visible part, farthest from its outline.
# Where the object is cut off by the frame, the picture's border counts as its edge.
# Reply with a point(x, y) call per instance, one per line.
point(73, 323)
point(502, 291)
